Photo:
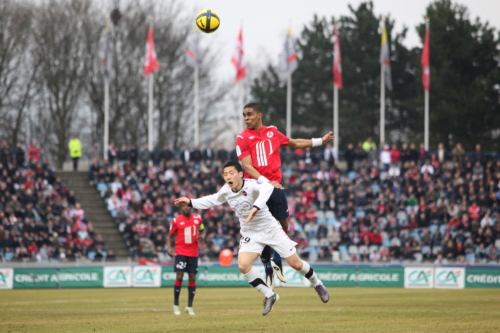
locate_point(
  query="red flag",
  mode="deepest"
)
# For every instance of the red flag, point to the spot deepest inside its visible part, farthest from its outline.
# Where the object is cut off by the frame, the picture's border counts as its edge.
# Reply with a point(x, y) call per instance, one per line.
point(337, 61)
point(426, 63)
point(150, 62)
point(238, 59)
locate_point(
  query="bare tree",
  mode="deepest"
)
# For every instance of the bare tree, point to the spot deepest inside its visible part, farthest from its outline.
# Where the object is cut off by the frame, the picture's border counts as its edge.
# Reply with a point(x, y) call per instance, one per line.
point(60, 27)
point(16, 68)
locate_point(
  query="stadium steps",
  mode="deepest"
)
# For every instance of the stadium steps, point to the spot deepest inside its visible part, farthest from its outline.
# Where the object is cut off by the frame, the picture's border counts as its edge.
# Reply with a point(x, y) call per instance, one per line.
point(95, 211)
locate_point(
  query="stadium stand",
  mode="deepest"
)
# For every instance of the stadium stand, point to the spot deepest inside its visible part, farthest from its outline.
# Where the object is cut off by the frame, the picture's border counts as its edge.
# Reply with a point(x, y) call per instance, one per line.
point(421, 207)
point(40, 218)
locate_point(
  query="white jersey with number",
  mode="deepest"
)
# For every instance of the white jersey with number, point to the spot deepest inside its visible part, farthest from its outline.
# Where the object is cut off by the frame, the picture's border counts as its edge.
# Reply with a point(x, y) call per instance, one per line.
point(252, 193)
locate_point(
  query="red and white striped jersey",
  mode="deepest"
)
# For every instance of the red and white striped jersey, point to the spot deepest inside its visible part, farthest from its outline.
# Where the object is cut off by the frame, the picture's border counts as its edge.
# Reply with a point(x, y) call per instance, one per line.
point(264, 147)
point(186, 230)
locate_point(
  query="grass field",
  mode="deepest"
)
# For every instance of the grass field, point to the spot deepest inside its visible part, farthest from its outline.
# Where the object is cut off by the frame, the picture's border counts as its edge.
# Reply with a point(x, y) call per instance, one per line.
point(239, 310)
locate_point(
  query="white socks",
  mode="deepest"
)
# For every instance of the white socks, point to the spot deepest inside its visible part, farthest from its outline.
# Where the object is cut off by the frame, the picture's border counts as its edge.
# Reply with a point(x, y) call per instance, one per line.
point(309, 273)
point(253, 277)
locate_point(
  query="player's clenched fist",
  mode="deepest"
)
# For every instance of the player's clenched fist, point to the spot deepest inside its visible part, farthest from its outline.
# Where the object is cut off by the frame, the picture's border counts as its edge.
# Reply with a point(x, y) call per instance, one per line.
point(181, 201)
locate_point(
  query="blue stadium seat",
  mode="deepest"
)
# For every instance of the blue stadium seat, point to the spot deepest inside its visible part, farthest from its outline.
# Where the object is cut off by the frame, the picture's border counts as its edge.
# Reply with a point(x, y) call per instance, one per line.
point(470, 257)
point(8, 256)
point(330, 221)
point(320, 220)
point(351, 175)
point(386, 242)
point(424, 248)
point(375, 188)
point(433, 228)
point(312, 249)
point(342, 249)
point(442, 229)
point(91, 255)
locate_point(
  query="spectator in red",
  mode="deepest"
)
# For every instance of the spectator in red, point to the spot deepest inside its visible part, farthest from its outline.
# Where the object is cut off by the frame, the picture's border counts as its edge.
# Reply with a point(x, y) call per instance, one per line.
point(308, 196)
point(395, 154)
point(474, 211)
point(381, 207)
point(422, 154)
point(148, 208)
point(77, 212)
point(375, 237)
point(32, 249)
point(310, 214)
point(34, 153)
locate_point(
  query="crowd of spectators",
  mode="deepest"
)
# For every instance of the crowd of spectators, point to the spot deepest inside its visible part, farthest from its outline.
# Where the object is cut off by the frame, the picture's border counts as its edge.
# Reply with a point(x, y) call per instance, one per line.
point(40, 219)
point(375, 205)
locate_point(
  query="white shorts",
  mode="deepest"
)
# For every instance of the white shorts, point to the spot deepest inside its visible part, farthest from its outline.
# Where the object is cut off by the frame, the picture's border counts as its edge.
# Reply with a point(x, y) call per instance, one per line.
point(275, 238)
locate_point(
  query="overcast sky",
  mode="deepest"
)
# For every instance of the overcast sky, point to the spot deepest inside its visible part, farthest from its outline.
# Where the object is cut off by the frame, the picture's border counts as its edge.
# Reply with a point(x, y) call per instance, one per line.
point(265, 22)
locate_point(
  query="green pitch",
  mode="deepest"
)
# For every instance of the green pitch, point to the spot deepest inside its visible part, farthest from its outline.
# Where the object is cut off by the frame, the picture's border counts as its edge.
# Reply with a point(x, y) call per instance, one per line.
point(239, 310)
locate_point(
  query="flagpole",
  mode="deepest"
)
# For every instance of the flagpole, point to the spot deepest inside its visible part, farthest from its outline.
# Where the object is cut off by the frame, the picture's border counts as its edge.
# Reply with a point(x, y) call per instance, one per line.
point(241, 105)
point(150, 103)
point(426, 116)
point(335, 105)
point(289, 106)
point(196, 109)
point(382, 100)
point(106, 119)
point(106, 103)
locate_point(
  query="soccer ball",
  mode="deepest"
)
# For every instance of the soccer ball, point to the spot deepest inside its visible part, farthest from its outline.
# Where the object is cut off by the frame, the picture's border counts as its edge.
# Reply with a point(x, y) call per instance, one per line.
point(207, 21)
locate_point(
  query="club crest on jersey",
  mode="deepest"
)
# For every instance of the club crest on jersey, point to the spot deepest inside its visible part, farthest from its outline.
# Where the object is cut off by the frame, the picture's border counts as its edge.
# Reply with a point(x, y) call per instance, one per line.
point(270, 134)
point(244, 193)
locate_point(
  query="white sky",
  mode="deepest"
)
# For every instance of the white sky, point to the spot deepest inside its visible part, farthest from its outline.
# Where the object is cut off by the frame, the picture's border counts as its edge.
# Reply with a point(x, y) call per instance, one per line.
point(265, 22)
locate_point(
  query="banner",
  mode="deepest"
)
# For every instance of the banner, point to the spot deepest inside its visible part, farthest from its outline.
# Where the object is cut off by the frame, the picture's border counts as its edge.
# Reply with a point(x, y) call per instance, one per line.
point(6, 278)
point(380, 277)
point(35, 278)
point(74, 277)
point(81, 277)
point(449, 277)
point(146, 276)
point(482, 278)
point(419, 277)
point(117, 276)
point(337, 276)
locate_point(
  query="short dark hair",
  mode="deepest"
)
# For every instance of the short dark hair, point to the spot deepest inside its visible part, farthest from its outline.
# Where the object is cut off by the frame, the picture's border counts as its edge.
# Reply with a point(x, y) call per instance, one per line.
point(234, 164)
point(253, 106)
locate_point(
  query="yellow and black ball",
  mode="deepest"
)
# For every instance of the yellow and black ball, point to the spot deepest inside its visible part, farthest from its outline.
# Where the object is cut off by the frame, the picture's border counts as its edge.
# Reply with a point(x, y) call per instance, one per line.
point(207, 21)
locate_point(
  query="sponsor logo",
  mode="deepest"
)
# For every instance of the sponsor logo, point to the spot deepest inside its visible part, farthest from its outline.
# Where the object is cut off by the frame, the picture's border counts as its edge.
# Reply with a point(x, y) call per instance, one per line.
point(6, 278)
point(483, 278)
point(244, 193)
point(252, 137)
point(270, 134)
point(147, 276)
point(119, 276)
point(422, 277)
point(449, 277)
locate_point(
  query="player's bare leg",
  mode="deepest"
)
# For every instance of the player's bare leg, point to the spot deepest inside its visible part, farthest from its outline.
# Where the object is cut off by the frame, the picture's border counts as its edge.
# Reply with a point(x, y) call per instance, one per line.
point(191, 293)
point(177, 291)
point(245, 265)
point(306, 270)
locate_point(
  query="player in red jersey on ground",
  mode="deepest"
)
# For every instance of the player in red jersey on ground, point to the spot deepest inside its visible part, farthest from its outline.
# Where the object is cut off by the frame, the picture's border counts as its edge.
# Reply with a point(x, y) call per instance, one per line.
point(258, 149)
point(188, 230)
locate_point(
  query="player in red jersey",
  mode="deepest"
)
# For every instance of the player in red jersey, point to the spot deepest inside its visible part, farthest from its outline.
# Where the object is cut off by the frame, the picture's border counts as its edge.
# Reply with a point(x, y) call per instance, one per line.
point(258, 149)
point(188, 230)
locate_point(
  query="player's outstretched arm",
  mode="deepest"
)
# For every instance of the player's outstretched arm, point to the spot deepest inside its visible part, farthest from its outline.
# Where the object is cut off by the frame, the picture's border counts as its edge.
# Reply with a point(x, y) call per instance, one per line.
point(307, 143)
point(249, 168)
point(182, 201)
point(254, 211)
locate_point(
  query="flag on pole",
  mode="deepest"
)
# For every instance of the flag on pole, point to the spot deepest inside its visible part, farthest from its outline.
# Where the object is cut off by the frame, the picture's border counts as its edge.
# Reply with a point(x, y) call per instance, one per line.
point(385, 58)
point(194, 56)
point(426, 64)
point(288, 58)
point(238, 58)
point(150, 62)
point(337, 61)
point(106, 59)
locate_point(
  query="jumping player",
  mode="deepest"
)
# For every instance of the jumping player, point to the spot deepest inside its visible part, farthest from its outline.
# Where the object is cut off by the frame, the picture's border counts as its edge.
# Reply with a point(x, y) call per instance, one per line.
point(188, 230)
point(247, 198)
point(258, 149)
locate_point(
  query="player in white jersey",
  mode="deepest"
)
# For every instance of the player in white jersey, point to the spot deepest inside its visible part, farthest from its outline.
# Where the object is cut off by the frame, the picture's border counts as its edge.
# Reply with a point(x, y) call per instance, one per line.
point(247, 198)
